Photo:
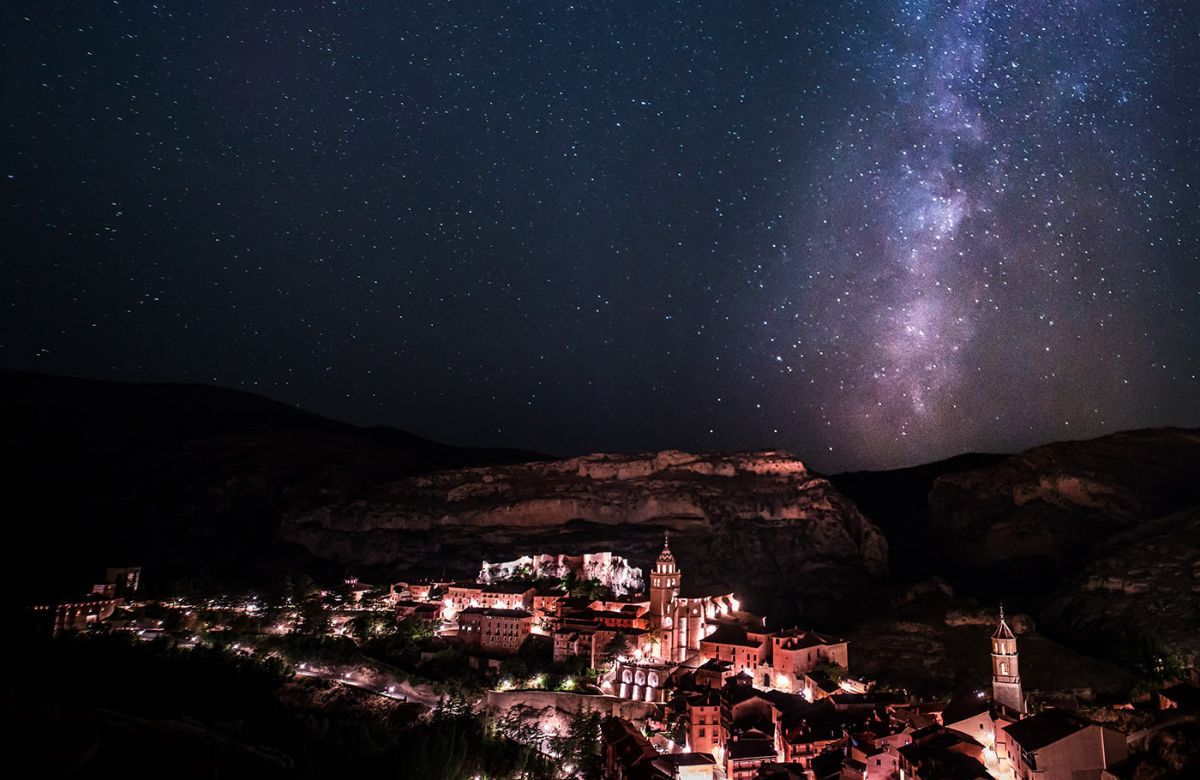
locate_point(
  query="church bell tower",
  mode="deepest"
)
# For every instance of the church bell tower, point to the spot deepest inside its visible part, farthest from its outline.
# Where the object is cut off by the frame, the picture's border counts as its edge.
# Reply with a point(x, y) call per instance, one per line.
point(664, 587)
point(1006, 674)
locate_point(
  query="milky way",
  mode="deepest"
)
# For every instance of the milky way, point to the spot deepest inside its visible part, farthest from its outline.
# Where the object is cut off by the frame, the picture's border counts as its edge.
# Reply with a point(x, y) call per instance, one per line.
point(1004, 169)
point(874, 233)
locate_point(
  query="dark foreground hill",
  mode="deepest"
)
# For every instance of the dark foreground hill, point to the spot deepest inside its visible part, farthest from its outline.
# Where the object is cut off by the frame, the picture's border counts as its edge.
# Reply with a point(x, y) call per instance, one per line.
point(187, 480)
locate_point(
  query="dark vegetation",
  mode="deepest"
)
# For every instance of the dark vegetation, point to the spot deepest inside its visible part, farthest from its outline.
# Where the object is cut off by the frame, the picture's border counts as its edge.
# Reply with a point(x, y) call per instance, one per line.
point(106, 704)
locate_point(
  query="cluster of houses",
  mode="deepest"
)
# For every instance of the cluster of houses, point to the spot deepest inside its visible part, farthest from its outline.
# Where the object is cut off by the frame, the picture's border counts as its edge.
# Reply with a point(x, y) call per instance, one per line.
point(641, 641)
point(732, 728)
point(84, 610)
point(740, 701)
point(733, 699)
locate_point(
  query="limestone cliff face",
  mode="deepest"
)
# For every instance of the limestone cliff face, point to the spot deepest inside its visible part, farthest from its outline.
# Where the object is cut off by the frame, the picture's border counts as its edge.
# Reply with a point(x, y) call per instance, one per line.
point(1144, 582)
point(752, 520)
point(1056, 501)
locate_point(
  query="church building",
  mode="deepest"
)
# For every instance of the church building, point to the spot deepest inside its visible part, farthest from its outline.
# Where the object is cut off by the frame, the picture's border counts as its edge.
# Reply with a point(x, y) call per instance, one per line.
point(679, 621)
point(1006, 674)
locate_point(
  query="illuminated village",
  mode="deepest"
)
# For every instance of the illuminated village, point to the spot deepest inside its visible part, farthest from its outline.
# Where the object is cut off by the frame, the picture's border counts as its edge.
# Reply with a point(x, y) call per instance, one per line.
point(677, 684)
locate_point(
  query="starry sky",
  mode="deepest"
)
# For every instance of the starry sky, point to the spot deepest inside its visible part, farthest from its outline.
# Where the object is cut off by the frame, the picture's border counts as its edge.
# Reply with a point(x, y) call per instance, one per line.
point(873, 233)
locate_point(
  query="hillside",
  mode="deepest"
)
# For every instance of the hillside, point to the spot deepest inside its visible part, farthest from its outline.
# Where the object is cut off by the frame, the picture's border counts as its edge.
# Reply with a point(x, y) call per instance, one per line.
point(187, 480)
point(758, 523)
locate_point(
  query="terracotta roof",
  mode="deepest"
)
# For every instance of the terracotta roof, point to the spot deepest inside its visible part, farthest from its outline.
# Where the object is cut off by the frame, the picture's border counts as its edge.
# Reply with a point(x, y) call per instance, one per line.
point(1046, 728)
point(937, 759)
point(730, 635)
point(963, 706)
point(508, 587)
point(1185, 695)
point(742, 749)
point(798, 639)
point(685, 759)
point(508, 613)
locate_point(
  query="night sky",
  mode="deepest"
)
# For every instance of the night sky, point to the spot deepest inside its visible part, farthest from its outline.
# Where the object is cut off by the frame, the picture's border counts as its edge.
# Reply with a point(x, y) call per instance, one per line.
point(873, 233)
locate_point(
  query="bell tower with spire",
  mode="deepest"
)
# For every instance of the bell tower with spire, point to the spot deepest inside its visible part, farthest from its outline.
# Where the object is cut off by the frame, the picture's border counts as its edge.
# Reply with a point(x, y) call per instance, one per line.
point(1006, 673)
point(664, 587)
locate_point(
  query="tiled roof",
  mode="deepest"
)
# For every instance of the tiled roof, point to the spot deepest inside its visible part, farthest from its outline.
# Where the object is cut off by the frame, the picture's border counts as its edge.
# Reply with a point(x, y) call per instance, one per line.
point(742, 749)
point(1045, 728)
point(730, 635)
point(963, 706)
point(507, 587)
point(508, 613)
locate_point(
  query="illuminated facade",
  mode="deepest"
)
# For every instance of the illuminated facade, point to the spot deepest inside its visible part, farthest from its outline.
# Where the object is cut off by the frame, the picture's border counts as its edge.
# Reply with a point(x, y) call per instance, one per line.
point(680, 622)
point(1006, 673)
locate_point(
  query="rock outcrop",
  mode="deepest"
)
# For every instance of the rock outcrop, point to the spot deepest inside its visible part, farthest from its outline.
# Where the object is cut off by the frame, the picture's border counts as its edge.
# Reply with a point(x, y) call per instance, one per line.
point(1038, 515)
point(1143, 583)
point(937, 644)
point(758, 522)
point(603, 567)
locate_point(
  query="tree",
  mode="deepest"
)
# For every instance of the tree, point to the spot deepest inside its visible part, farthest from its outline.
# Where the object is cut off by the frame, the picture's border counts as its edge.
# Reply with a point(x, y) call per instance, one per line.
point(832, 670)
point(313, 618)
point(515, 669)
point(304, 588)
point(579, 749)
point(617, 647)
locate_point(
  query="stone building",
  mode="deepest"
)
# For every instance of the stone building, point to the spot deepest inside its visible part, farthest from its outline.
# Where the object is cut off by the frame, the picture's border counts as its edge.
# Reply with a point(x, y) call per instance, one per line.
point(497, 595)
point(745, 753)
point(1057, 745)
point(681, 622)
point(796, 652)
point(1006, 673)
point(126, 579)
point(705, 734)
point(75, 614)
point(500, 631)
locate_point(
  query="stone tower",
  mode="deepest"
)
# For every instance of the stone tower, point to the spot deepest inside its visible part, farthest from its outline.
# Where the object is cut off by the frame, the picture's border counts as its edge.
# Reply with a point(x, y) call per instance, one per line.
point(664, 587)
point(1006, 674)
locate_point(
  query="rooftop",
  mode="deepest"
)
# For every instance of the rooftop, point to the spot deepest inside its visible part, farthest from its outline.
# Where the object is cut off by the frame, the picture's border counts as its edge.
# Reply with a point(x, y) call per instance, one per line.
point(730, 635)
point(685, 759)
point(1185, 695)
point(509, 588)
point(963, 706)
point(508, 613)
point(1046, 728)
point(799, 638)
point(750, 748)
point(501, 613)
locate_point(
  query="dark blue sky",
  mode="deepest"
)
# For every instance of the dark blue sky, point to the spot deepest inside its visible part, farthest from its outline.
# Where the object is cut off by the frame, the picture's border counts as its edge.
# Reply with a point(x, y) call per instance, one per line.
point(874, 233)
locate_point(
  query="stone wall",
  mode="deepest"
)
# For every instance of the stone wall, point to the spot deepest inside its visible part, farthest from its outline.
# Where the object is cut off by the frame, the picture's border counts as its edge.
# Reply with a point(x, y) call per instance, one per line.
point(552, 710)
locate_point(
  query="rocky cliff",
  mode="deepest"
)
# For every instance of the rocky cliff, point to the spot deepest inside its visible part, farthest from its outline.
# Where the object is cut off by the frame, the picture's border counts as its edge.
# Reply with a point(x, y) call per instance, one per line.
point(1143, 583)
point(935, 643)
point(1022, 523)
point(758, 522)
point(190, 481)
